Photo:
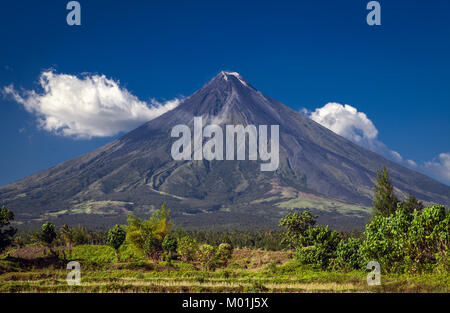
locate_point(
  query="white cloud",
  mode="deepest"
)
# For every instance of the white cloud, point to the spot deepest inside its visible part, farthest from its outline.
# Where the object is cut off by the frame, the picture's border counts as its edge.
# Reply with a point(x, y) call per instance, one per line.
point(87, 106)
point(346, 121)
point(440, 168)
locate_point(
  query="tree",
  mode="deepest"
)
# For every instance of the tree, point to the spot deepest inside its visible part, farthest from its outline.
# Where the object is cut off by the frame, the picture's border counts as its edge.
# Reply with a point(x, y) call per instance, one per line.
point(207, 257)
point(80, 235)
point(318, 247)
point(408, 242)
point(224, 253)
point(169, 246)
point(296, 226)
point(48, 235)
point(169, 243)
point(411, 203)
point(7, 232)
point(348, 255)
point(187, 248)
point(116, 237)
point(148, 235)
point(429, 236)
point(152, 246)
point(384, 202)
point(385, 240)
point(67, 234)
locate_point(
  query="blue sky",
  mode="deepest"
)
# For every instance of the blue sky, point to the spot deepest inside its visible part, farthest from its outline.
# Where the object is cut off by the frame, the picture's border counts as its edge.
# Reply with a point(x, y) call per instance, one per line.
point(303, 53)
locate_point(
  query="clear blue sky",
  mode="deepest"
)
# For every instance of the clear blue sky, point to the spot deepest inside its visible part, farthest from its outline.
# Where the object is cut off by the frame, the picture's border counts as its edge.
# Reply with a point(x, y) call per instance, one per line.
point(303, 53)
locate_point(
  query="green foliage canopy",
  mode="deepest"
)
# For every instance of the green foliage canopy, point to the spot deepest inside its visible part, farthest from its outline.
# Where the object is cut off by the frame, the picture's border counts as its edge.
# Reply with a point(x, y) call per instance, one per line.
point(187, 248)
point(116, 237)
point(405, 241)
point(48, 233)
point(148, 235)
point(6, 231)
point(384, 201)
point(296, 227)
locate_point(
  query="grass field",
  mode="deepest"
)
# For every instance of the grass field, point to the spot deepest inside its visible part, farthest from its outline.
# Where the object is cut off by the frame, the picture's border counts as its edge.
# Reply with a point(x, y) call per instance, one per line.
point(31, 269)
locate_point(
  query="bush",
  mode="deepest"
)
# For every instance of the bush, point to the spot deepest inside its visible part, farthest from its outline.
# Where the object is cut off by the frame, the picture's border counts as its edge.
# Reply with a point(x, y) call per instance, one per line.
point(116, 237)
point(6, 233)
point(147, 235)
point(319, 247)
point(170, 243)
point(348, 255)
point(187, 248)
point(429, 236)
point(207, 257)
point(80, 236)
point(386, 240)
point(169, 246)
point(404, 241)
point(296, 227)
point(224, 253)
point(152, 246)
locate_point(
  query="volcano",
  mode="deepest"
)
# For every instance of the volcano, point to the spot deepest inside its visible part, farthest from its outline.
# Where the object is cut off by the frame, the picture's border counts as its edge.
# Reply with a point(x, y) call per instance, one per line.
point(318, 170)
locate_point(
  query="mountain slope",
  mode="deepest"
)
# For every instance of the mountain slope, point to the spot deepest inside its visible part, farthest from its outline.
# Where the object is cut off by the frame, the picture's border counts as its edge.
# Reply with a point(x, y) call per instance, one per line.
point(318, 169)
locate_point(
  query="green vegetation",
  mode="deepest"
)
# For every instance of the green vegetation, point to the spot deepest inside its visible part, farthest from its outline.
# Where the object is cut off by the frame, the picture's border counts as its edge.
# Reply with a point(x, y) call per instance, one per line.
point(384, 200)
point(116, 237)
point(6, 233)
point(409, 242)
point(147, 236)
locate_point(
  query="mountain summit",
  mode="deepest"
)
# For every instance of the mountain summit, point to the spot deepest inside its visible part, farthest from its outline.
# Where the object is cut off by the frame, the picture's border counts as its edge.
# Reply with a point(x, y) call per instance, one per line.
point(318, 169)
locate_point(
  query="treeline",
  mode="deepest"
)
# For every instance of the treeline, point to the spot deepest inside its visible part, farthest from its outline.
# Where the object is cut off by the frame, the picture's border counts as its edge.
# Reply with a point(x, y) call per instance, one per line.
point(81, 235)
point(267, 239)
point(264, 239)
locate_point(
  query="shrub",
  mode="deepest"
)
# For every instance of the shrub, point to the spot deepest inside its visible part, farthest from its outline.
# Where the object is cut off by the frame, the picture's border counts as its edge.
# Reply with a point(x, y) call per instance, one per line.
point(296, 227)
point(404, 241)
point(348, 255)
point(429, 235)
point(224, 253)
point(187, 248)
point(169, 243)
point(152, 246)
point(386, 240)
point(80, 236)
point(147, 235)
point(116, 237)
point(318, 247)
point(207, 257)
point(6, 233)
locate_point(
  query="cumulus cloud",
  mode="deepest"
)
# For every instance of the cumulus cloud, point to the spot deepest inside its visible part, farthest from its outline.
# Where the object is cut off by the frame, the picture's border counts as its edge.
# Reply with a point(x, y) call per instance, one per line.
point(86, 106)
point(345, 120)
point(440, 167)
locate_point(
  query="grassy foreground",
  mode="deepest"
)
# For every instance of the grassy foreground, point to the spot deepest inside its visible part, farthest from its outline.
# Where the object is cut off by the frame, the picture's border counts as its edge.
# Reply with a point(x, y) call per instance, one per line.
point(31, 269)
